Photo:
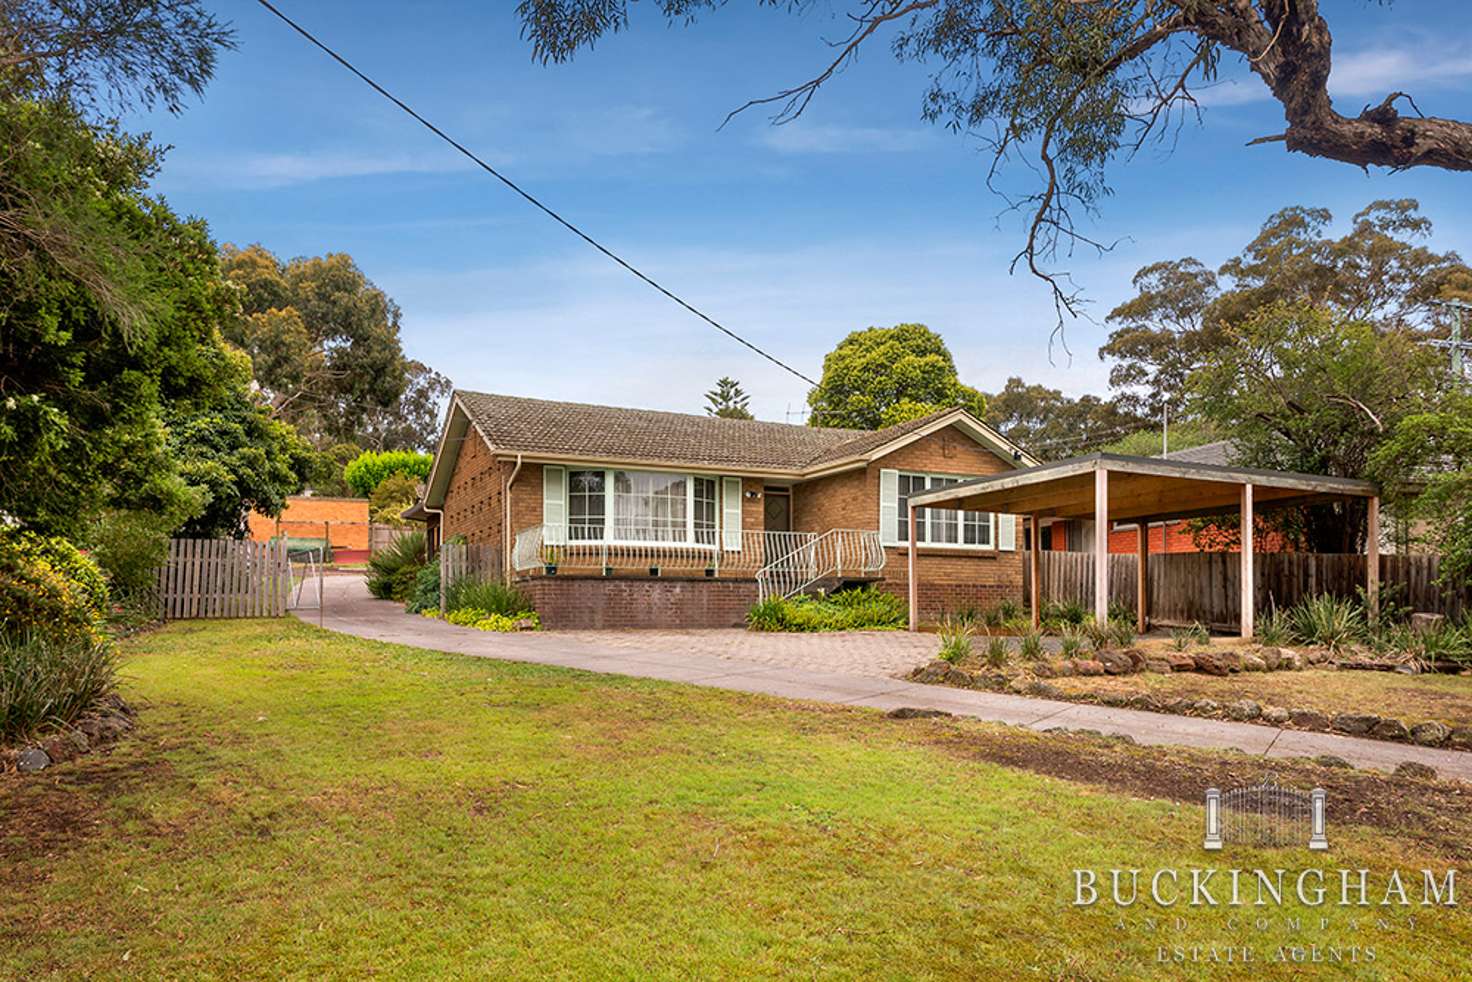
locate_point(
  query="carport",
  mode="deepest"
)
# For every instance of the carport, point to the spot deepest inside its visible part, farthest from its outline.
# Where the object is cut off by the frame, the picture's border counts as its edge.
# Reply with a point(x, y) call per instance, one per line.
point(1114, 488)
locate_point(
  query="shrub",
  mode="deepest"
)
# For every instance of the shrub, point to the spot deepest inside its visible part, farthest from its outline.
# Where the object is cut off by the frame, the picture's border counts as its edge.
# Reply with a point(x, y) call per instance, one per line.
point(1072, 645)
point(1122, 631)
point(489, 620)
point(1274, 629)
point(365, 472)
point(1099, 635)
point(1329, 621)
point(48, 587)
point(1031, 646)
point(392, 571)
point(426, 593)
point(1058, 613)
point(48, 680)
point(1182, 638)
point(129, 546)
point(488, 595)
point(1448, 641)
point(955, 640)
point(393, 494)
point(997, 652)
point(863, 609)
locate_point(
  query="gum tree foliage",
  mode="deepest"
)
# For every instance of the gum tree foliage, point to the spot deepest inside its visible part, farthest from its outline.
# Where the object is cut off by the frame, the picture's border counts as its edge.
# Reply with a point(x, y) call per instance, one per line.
point(1051, 425)
point(1068, 86)
point(1425, 468)
point(1380, 272)
point(325, 344)
point(881, 376)
point(1298, 388)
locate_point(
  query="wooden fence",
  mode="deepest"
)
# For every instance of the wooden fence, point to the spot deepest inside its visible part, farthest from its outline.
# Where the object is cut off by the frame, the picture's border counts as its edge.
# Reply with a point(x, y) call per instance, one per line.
point(462, 560)
point(1189, 587)
point(224, 578)
point(382, 536)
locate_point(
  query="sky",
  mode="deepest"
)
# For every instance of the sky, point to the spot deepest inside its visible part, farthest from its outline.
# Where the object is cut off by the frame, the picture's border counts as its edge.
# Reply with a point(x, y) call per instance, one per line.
point(858, 214)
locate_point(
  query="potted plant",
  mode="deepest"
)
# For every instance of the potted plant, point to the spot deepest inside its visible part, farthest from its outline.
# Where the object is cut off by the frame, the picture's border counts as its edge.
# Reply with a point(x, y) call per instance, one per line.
point(710, 570)
point(550, 559)
point(607, 570)
point(654, 571)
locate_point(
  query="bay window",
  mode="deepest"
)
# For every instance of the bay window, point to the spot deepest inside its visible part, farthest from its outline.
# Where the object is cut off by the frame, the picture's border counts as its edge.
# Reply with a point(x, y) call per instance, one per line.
point(641, 506)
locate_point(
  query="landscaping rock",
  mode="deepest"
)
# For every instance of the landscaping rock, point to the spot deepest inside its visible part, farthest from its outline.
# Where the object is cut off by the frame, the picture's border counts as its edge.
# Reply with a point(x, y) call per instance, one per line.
point(1391, 729)
point(1115, 699)
point(1205, 707)
point(1430, 734)
point(1330, 760)
point(1115, 662)
point(1181, 662)
point(1088, 667)
point(1180, 707)
point(1289, 660)
point(932, 673)
point(1315, 656)
point(915, 712)
point(1253, 663)
point(1043, 670)
point(1063, 669)
point(1243, 710)
point(1414, 769)
point(1122, 738)
point(1145, 701)
point(526, 624)
point(1136, 657)
point(1271, 658)
point(1275, 715)
point(960, 677)
point(1018, 686)
point(32, 759)
point(1308, 719)
point(1355, 724)
point(1460, 738)
point(1211, 663)
point(1424, 623)
point(1160, 666)
point(1045, 691)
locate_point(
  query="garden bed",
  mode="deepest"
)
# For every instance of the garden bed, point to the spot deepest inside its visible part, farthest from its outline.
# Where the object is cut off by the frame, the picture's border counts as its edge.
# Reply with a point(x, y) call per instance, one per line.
point(1311, 689)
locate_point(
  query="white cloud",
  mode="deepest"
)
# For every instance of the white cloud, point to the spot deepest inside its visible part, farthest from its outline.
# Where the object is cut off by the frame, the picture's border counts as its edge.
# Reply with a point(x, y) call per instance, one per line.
point(799, 137)
point(275, 170)
point(1373, 73)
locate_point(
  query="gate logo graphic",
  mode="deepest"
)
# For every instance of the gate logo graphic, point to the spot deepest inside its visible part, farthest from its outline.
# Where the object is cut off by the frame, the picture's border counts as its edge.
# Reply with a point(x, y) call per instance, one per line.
point(1265, 815)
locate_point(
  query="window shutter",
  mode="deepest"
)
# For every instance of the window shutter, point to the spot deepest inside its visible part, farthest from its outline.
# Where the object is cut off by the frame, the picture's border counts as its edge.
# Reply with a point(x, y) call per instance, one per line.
point(731, 514)
point(554, 505)
point(1007, 533)
point(889, 507)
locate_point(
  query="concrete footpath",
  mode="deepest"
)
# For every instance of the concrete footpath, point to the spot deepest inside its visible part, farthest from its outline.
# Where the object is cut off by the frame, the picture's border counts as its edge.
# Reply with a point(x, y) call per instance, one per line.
point(349, 609)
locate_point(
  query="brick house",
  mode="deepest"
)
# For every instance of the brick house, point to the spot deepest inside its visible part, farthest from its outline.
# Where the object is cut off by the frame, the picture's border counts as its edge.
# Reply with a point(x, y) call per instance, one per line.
point(635, 518)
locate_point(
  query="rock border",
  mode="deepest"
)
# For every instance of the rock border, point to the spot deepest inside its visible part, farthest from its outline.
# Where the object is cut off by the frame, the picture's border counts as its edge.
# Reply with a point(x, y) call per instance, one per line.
point(100, 726)
point(1031, 682)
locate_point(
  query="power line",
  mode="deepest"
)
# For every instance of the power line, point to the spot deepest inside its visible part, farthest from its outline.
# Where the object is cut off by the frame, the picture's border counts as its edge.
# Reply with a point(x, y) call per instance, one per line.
point(531, 198)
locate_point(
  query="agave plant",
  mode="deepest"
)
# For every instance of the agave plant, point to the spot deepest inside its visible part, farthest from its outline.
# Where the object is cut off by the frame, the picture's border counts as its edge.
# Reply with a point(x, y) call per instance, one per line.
point(1333, 622)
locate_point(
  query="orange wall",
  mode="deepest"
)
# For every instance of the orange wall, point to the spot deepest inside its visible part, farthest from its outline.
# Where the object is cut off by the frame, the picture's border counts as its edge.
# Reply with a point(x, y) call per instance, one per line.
point(342, 521)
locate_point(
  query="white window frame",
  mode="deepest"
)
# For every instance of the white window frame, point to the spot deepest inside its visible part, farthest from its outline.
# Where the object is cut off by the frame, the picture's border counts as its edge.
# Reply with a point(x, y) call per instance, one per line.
point(934, 518)
point(609, 523)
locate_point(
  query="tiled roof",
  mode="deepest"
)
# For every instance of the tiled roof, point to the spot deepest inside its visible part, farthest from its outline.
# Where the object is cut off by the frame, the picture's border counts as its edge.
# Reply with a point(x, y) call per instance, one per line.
point(518, 424)
point(1218, 453)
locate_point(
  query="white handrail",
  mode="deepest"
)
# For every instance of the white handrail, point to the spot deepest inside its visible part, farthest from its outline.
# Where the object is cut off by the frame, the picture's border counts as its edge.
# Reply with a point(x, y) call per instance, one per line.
point(835, 553)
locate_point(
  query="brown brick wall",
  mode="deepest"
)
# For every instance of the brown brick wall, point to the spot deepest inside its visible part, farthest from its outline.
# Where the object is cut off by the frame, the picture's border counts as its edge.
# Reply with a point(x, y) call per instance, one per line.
point(582, 602)
point(949, 580)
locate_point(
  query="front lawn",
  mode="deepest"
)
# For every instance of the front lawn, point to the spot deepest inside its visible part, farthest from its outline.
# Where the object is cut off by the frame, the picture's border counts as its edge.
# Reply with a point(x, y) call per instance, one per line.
point(1414, 698)
point(300, 804)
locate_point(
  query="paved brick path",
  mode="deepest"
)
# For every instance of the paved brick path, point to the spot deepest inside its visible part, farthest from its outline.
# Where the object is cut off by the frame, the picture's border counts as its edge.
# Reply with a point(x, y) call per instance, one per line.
point(853, 669)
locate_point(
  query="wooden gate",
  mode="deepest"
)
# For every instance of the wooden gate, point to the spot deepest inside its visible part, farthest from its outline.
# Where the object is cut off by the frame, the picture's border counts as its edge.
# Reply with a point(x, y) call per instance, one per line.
point(224, 578)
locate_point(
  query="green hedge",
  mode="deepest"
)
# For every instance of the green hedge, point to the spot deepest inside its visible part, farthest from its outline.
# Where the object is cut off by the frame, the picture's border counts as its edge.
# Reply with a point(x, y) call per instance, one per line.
point(48, 587)
point(372, 467)
point(866, 609)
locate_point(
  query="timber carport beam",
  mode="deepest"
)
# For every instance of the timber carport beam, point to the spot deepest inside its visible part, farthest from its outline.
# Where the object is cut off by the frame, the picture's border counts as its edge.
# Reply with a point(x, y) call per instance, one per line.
point(1108, 488)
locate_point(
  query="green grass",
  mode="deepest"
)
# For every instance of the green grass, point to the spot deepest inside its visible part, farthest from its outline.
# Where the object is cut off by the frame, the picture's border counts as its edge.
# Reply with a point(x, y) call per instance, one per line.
point(298, 805)
point(860, 609)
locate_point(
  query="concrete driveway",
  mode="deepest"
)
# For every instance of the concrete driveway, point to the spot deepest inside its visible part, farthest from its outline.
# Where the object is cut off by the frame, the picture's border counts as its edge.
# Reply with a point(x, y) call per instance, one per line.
point(855, 668)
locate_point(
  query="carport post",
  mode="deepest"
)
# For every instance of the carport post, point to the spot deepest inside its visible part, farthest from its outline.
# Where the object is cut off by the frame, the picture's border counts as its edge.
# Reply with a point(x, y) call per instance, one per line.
point(914, 588)
point(1034, 567)
point(1372, 558)
point(1249, 595)
point(1101, 546)
point(1142, 580)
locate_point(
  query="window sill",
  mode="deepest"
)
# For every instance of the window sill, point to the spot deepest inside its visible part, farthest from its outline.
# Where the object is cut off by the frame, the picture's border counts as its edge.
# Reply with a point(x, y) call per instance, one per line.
point(938, 549)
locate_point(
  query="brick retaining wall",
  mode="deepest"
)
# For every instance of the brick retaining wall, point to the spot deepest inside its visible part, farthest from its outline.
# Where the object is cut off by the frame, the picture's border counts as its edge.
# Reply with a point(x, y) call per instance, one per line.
point(665, 602)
